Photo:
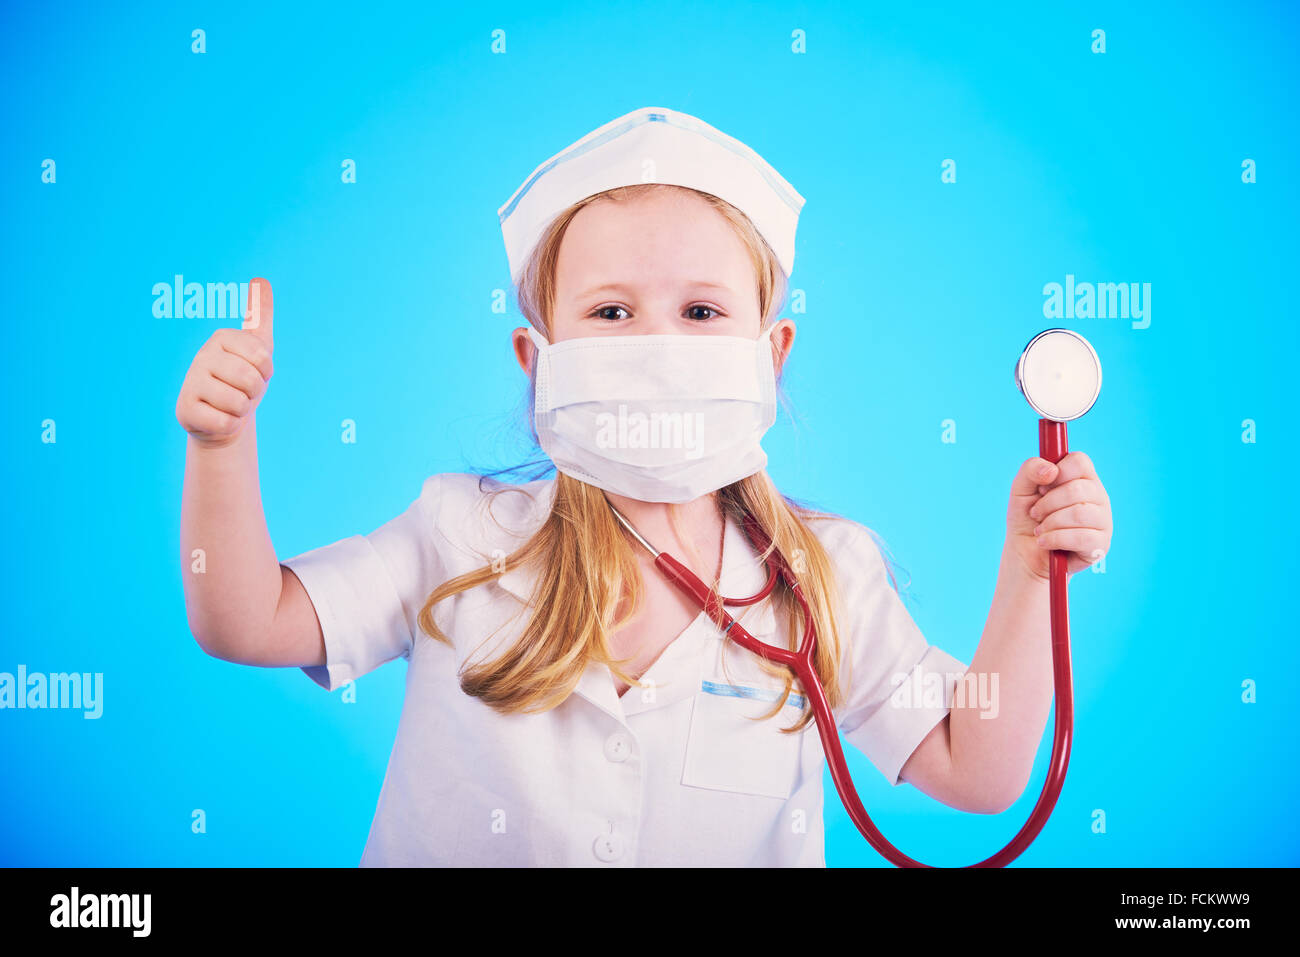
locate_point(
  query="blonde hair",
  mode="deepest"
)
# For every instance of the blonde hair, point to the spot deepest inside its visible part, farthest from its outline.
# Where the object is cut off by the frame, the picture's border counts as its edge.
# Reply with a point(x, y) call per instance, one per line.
point(585, 560)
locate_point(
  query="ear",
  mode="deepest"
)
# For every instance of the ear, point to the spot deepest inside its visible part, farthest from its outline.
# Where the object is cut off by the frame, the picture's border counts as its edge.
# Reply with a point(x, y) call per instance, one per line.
point(782, 341)
point(524, 349)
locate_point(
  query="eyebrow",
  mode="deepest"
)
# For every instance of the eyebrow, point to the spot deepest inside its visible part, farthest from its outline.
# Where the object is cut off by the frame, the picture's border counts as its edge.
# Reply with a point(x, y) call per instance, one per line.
point(618, 287)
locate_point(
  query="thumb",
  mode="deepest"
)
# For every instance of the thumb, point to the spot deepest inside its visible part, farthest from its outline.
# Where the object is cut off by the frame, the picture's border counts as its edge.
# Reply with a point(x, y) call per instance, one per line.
point(1033, 473)
point(259, 317)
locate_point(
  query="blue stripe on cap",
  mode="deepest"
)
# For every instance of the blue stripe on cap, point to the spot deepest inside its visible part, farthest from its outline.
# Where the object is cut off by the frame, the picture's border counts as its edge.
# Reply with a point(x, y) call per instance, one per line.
point(777, 187)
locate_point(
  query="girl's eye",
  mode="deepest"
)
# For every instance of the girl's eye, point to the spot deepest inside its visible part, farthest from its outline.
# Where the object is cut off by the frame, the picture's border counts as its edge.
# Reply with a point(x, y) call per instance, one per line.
point(601, 310)
point(704, 307)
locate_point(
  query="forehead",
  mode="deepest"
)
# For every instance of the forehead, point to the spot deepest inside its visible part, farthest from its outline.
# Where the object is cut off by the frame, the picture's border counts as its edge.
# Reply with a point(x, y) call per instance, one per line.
point(666, 236)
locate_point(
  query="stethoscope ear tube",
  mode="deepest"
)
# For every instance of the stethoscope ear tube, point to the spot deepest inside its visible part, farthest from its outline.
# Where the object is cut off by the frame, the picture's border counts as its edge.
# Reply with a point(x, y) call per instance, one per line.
point(1052, 443)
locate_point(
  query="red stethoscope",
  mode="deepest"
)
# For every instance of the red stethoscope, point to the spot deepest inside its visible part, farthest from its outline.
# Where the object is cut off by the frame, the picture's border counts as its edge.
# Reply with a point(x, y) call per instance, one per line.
point(1060, 375)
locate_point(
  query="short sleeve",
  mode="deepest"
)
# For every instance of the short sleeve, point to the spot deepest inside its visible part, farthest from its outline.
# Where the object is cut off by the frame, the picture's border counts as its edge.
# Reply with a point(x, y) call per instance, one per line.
point(900, 687)
point(368, 590)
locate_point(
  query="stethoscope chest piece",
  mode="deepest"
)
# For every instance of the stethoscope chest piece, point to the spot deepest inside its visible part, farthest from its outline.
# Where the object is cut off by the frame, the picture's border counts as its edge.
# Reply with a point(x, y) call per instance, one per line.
point(1059, 374)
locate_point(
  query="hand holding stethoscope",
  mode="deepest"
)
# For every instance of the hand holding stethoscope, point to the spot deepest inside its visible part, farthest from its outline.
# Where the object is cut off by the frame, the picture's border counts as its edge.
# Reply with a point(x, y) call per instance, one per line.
point(1058, 523)
point(1058, 504)
point(1058, 507)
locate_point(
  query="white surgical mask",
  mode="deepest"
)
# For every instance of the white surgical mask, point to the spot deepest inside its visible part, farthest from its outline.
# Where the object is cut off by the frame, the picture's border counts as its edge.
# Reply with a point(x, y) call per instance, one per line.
point(657, 418)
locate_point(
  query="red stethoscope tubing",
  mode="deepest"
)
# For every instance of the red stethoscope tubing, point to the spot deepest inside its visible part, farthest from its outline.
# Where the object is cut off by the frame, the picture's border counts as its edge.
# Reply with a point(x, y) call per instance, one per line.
point(1052, 447)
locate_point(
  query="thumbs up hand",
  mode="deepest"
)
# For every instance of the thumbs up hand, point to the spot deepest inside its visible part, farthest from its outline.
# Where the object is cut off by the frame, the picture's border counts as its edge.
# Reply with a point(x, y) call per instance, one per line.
point(229, 375)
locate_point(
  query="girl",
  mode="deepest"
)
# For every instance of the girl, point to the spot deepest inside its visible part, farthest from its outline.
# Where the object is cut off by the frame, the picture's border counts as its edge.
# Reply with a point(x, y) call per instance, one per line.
point(565, 705)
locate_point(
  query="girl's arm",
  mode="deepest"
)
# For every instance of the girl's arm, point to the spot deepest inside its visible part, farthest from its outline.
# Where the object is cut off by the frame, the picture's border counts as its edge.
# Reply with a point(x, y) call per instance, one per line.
point(241, 603)
point(981, 756)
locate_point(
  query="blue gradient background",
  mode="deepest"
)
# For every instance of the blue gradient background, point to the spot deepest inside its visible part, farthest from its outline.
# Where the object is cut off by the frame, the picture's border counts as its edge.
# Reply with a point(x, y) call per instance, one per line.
point(1122, 167)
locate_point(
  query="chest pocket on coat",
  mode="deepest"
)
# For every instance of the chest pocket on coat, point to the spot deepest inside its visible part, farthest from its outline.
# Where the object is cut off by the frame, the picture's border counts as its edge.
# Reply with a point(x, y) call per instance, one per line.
point(729, 749)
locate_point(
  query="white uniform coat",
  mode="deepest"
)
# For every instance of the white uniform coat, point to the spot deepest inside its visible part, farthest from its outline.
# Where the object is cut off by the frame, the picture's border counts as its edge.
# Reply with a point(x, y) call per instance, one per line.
point(674, 774)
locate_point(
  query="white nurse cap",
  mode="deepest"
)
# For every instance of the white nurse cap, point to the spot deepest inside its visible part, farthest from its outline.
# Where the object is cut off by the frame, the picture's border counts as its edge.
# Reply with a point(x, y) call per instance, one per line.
point(653, 144)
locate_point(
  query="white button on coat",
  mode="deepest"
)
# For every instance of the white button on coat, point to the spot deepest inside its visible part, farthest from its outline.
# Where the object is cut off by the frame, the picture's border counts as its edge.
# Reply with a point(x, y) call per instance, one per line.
point(608, 847)
point(679, 776)
point(617, 747)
